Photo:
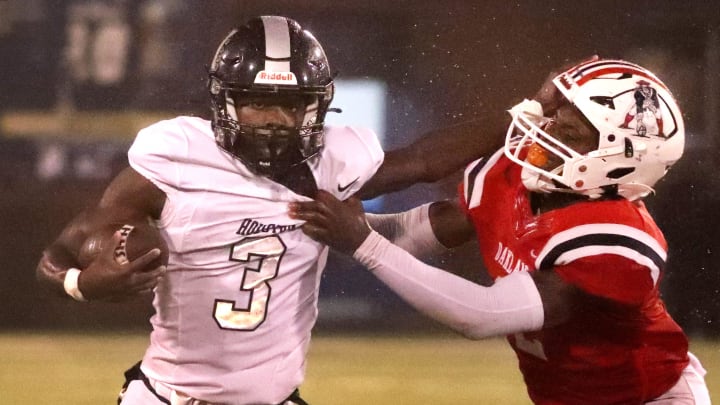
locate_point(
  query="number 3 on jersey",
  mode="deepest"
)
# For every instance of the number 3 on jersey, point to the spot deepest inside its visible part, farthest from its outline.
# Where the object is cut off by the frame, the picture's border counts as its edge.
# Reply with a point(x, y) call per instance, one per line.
point(261, 257)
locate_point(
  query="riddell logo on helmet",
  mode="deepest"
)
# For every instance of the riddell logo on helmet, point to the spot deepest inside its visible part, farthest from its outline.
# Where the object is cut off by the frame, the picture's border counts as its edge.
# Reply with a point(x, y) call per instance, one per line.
point(265, 77)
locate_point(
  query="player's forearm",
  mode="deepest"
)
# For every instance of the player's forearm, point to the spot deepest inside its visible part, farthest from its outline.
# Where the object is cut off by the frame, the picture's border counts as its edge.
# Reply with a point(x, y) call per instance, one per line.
point(410, 230)
point(61, 255)
point(425, 230)
point(442, 152)
point(511, 305)
point(52, 268)
point(437, 155)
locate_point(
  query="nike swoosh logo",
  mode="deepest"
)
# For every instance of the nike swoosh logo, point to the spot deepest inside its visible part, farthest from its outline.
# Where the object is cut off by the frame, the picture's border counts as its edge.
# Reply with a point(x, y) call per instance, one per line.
point(342, 189)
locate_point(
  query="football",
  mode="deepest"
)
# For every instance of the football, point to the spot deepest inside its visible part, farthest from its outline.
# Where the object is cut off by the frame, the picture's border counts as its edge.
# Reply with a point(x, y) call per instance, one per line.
point(136, 240)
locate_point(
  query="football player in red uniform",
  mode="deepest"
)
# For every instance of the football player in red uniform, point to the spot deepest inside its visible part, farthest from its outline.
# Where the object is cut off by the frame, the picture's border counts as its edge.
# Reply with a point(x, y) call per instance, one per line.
point(576, 257)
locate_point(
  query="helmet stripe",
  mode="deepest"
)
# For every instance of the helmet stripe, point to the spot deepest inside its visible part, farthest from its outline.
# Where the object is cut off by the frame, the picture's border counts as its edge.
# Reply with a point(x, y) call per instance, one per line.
point(619, 69)
point(580, 69)
point(584, 73)
point(277, 44)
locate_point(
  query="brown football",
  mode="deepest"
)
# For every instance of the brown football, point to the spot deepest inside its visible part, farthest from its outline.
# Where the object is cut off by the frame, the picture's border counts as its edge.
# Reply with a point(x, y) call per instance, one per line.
point(137, 239)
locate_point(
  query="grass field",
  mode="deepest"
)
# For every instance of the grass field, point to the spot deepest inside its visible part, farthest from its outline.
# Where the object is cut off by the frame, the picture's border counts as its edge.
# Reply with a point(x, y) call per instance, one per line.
point(87, 370)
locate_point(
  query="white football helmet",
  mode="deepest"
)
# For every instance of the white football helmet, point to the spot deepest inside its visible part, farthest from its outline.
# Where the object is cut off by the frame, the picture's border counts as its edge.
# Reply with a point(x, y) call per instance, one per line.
point(641, 132)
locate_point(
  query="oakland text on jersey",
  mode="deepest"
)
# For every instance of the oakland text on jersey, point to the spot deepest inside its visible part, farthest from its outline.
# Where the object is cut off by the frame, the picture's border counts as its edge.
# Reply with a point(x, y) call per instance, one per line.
point(507, 260)
point(252, 227)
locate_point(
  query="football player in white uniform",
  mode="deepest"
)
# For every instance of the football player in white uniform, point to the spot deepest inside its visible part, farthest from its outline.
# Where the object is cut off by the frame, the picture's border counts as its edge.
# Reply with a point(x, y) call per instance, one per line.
point(235, 305)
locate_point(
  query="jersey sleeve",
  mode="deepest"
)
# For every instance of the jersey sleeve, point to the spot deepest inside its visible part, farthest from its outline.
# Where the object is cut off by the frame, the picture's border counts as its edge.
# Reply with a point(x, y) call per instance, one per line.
point(469, 183)
point(156, 153)
point(474, 177)
point(612, 261)
point(351, 156)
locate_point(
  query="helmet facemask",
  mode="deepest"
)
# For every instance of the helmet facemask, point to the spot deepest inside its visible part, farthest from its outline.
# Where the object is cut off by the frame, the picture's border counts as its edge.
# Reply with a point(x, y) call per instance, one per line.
point(530, 146)
point(267, 149)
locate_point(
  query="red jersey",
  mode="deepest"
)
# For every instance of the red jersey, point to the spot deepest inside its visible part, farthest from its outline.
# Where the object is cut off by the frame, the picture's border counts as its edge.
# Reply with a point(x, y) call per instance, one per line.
point(623, 349)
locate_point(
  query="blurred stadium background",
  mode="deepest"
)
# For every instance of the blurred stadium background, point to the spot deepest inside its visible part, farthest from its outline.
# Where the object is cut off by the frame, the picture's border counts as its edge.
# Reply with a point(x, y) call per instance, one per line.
point(78, 78)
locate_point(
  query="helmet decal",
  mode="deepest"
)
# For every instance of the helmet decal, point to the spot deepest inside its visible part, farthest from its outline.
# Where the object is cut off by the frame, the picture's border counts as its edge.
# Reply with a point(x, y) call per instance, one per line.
point(591, 70)
point(645, 110)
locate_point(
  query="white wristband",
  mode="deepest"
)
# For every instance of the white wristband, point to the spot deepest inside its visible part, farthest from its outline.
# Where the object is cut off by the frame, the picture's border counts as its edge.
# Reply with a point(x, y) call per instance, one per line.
point(71, 284)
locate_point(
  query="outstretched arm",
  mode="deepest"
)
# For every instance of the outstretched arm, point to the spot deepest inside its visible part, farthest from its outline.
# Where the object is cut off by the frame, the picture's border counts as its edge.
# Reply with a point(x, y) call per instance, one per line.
point(513, 304)
point(344, 225)
point(518, 302)
point(129, 198)
point(440, 153)
point(427, 230)
point(437, 155)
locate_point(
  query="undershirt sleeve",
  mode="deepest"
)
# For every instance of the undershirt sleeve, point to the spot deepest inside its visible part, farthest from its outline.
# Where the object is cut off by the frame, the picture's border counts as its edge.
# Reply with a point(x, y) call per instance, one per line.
point(511, 305)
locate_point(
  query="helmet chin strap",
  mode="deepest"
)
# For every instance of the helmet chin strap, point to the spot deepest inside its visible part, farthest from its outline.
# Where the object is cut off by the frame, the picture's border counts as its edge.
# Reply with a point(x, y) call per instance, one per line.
point(635, 191)
point(534, 181)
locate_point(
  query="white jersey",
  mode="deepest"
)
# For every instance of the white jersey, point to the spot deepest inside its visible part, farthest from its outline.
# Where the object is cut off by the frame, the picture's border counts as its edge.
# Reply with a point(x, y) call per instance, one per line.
point(235, 309)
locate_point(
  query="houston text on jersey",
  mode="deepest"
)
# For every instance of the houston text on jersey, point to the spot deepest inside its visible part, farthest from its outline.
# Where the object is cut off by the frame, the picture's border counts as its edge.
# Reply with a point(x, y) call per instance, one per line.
point(252, 227)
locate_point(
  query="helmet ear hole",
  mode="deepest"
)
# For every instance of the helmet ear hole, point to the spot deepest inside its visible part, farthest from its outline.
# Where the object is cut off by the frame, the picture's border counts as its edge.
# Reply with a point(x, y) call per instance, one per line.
point(620, 172)
point(604, 100)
